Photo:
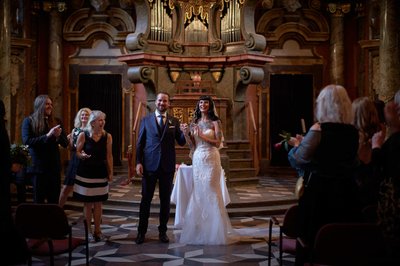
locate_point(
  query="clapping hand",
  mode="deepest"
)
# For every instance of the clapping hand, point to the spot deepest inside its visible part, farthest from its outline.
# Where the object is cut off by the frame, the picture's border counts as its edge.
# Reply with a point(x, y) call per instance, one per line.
point(185, 129)
point(55, 131)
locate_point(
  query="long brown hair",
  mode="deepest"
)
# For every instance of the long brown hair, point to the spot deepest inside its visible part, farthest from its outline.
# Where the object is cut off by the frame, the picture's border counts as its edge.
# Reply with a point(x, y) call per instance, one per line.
point(39, 117)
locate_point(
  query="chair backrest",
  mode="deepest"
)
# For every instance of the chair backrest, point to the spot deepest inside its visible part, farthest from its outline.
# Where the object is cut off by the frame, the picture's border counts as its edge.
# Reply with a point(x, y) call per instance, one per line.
point(289, 224)
point(348, 244)
point(35, 221)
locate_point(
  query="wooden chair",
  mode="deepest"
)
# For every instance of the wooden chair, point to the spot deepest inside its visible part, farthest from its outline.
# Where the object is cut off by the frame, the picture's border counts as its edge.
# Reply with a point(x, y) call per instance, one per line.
point(348, 244)
point(287, 233)
point(47, 231)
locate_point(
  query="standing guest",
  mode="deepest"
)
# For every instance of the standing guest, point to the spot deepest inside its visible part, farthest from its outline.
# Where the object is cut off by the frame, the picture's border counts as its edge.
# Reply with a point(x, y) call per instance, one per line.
point(80, 122)
point(15, 251)
point(156, 161)
point(328, 154)
point(43, 135)
point(95, 170)
point(206, 219)
point(386, 155)
point(366, 120)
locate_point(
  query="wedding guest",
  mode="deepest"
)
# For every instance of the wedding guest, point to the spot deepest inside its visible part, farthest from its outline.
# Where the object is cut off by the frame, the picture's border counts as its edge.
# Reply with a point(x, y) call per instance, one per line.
point(95, 170)
point(328, 154)
point(43, 134)
point(156, 160)
point(80, 123)
point(366, 120)
point(206, 221)
point(386, 154)
point(15, 250)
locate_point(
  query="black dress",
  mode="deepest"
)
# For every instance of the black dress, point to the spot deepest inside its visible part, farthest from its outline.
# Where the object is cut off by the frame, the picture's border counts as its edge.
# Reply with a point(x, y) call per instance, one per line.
point(331, 191)
point(91, 181)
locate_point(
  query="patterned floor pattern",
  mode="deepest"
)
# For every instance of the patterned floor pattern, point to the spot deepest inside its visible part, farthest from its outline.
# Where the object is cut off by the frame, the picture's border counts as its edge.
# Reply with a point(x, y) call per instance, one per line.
point(119, 247)
point(120, 230)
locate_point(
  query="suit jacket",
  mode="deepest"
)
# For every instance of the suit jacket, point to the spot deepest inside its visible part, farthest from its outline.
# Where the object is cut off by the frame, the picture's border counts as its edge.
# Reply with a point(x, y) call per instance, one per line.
point(156, 147)
point(44, 151)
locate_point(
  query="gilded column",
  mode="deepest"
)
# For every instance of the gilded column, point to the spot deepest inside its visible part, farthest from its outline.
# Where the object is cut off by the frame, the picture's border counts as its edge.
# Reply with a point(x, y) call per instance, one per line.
point(389, 56)
point(5, 56)
point(336, 42)
point(55, 81)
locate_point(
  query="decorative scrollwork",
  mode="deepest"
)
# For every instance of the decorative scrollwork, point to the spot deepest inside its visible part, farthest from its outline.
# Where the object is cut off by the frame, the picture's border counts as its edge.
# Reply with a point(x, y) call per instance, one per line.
point(251, 75)
point(255, 42)
point(136, 41)
point(175, 46)
point(217, 46)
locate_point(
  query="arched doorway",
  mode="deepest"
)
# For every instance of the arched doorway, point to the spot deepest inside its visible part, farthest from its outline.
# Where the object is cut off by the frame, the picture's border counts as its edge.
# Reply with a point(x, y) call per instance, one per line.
point(104, 92)
point(291, 99)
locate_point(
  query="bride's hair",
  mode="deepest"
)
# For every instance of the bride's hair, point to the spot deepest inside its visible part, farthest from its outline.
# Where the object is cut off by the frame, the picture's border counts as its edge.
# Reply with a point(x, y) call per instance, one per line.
point(211, 110)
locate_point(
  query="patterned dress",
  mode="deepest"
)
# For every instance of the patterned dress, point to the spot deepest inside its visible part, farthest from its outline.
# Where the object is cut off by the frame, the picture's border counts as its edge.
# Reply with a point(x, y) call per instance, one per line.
point(206, 221)
point(74, 161)
point(91, 182)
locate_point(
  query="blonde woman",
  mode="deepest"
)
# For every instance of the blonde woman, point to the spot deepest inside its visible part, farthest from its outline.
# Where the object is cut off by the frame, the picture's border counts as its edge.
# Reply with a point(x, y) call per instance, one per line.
point(95, 170)
point(80, 122)
point(328, 155)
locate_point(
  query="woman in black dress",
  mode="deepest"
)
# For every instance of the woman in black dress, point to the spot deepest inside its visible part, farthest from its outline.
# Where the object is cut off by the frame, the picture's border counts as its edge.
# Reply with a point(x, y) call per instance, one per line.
point(95, 170)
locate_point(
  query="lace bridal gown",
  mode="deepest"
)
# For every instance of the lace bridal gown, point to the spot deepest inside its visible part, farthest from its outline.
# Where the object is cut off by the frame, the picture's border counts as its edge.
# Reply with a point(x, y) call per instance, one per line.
point(206, 221)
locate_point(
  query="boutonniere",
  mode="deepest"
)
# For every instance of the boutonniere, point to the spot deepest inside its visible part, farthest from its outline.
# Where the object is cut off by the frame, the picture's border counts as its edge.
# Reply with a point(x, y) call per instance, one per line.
point(170, 122)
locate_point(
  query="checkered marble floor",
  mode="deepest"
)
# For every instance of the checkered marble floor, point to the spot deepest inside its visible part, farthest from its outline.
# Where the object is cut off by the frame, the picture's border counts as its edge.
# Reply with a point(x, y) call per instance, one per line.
point(119, 247)
point(120, 230)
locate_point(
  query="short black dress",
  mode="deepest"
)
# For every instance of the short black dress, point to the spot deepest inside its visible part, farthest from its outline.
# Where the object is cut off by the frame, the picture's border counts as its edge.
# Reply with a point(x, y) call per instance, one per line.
point(91, 182)
point(73, 161)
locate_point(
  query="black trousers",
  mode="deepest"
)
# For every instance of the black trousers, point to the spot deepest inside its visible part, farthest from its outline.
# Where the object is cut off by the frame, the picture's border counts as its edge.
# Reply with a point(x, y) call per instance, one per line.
point(149, 182)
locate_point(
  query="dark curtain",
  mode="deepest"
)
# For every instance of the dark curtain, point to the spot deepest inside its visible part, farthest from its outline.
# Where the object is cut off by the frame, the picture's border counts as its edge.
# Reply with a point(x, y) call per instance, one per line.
point(104, 92)
point(291, 100)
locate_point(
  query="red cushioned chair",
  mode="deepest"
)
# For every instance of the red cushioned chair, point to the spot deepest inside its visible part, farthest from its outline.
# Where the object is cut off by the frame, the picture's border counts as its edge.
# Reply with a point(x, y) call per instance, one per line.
point(47, 231)
point(287, 233)
point(348, 244)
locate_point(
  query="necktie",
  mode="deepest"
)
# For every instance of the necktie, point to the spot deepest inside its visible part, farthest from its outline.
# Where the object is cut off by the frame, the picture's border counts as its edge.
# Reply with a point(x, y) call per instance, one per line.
point(161, 121)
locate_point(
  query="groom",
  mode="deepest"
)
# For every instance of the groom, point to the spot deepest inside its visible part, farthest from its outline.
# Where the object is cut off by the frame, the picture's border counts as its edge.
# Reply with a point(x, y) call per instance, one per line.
point(155, 157)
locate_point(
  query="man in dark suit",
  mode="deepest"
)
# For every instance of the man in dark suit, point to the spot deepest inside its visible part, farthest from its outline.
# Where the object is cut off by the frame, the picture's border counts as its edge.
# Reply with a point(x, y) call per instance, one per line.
point(155, 157)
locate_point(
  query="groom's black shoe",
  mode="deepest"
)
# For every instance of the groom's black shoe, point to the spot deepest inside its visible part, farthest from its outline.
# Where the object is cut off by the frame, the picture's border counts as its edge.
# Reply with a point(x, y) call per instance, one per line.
point(163, 237)
point(139, 238)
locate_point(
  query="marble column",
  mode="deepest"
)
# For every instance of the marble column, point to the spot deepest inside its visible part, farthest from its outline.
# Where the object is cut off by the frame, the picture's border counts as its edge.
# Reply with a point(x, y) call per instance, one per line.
point(337, 48)
point(389, 55)
point(5, 57)
point(55, 82)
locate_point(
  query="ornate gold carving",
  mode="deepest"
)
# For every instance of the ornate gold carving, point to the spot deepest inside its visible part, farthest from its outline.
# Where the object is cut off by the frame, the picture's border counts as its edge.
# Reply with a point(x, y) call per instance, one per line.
point(178, 113)
point(174, 75)
point(190, 114)
point(339, 9)
point(198, 8)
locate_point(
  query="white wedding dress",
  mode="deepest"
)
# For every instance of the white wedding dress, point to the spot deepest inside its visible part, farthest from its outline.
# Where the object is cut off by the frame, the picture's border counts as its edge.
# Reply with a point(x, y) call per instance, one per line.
point(206, 221)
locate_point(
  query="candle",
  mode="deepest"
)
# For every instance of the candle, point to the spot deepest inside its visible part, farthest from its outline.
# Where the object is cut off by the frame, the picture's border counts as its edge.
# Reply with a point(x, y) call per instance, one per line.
point(303, 126)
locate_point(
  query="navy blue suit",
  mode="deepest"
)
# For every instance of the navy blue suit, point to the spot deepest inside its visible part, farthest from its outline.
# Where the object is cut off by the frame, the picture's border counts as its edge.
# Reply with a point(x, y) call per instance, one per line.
point(155, 150)
point(46, 162)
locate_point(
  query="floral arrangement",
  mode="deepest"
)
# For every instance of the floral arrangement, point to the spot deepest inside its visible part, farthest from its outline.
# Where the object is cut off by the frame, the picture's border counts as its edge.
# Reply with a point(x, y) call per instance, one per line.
point(284, 142)
point(20, 154)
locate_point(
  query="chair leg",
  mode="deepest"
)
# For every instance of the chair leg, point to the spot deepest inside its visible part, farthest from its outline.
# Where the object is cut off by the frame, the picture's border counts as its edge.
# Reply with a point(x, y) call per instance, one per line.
point(280, 247)
point(86, 241)
point(51, 248)
point(270, 242)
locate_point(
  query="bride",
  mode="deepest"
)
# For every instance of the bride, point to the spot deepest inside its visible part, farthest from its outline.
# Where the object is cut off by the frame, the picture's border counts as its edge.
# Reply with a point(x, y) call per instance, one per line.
point(206, 221)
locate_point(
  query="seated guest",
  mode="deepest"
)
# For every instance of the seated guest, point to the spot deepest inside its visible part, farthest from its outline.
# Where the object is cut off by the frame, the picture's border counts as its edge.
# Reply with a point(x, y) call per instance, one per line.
point(328, 155)
point(386, 156)
point(366, 120)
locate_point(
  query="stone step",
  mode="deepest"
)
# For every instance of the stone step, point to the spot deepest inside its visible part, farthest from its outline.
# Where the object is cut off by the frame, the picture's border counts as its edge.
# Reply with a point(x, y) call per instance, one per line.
point(233, 211)
point(241, 163)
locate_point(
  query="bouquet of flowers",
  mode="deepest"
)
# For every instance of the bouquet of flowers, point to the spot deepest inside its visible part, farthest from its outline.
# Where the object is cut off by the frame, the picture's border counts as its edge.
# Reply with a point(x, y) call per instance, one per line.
point(20, 154)
point(286, 137)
